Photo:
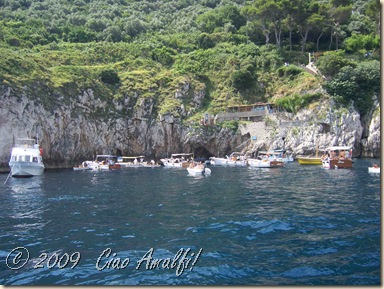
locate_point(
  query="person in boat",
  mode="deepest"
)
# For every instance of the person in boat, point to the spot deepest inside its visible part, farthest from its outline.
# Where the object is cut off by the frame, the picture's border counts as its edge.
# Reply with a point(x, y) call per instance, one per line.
point(324, 156)
point(375, 166)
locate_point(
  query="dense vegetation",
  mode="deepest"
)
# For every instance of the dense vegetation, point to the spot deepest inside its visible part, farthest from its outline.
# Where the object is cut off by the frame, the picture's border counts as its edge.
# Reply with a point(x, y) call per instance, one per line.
point(237, 51)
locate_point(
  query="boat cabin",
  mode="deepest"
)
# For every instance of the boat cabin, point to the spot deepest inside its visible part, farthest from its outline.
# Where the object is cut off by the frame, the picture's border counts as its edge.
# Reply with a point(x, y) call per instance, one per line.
point(26, 150)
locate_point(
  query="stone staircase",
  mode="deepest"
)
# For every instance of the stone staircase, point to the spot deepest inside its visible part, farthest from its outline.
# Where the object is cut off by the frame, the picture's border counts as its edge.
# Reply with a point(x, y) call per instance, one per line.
point(257, 130)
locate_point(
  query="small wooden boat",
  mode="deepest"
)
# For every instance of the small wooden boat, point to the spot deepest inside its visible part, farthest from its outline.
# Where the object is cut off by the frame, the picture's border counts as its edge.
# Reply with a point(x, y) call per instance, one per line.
point(339, 157)
point(104, 163)
point(309, 160)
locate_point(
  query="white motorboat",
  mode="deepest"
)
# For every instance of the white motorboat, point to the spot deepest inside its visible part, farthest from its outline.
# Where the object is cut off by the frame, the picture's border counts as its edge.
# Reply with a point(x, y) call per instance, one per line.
point(181, 160)
point(283, 155)
point(26, 159)
point(265, 163)
point(198, 169)
point(235, 159)
point(276, 155)
point(374, 169)
point(219, 161)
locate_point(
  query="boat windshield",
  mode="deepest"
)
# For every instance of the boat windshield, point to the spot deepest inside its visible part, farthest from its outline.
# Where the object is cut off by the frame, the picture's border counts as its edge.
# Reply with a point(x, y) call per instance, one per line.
point(25, 142)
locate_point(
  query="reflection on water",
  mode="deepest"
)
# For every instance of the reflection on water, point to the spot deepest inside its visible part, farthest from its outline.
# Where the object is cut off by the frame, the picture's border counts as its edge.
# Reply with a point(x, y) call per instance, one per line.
point(296, 225)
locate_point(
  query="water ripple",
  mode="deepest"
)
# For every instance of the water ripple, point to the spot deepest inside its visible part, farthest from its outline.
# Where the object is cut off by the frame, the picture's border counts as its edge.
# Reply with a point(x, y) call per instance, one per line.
point(298, 225)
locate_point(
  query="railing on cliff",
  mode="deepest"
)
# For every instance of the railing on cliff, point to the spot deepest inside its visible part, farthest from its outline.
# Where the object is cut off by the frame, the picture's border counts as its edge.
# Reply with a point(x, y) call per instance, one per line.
point(241, 115)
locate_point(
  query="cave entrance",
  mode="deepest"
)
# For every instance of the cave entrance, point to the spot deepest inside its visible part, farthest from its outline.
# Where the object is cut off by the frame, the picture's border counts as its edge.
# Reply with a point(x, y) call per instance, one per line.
point(202, 154)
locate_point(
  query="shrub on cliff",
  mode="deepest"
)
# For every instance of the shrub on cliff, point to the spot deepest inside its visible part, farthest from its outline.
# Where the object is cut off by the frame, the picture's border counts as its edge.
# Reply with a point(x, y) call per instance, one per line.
point(332, 61)
point(110, 77)
point(295, 102)
point(356, 84)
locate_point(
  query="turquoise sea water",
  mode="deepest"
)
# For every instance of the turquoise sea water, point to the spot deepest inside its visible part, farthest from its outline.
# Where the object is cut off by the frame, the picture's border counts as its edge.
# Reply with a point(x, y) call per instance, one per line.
point(299, 225)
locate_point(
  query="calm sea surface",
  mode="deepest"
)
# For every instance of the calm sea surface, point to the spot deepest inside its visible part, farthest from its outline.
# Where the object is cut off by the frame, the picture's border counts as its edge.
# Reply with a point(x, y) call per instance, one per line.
point(299, 225)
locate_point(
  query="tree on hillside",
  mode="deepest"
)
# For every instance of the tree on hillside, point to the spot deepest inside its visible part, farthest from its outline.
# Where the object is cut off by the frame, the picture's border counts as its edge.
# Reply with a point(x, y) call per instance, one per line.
point(307, 18)
point(219, 17)
point(339, 12)
point(372, 11)
point(291, 9)
point(259, 13)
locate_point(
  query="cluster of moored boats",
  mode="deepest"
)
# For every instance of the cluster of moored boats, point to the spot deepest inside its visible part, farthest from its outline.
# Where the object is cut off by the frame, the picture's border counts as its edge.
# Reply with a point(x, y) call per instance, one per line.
point(110, 162)
point(26, 160)
point(265, 159)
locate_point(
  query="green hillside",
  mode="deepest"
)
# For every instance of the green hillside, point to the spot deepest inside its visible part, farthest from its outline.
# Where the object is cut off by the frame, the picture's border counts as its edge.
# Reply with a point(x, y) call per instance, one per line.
point(238, 52)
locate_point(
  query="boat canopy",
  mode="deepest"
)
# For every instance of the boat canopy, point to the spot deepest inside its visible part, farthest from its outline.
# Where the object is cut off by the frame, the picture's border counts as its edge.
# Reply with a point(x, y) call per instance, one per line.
point(236, 153)
point(181, 155)
point(270, 152)
point(339, 148)
point(98, 157)
point(132, 158)
point(279, 151)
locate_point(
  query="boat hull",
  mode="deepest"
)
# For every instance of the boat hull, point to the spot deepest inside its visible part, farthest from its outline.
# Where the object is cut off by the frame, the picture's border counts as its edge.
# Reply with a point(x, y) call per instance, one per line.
point(26, 159)
point(256, 163)
point(259, 163)
point(175, 165)
point(309, 160)
point(277, 164)
point(374, 170)
point(228, 162)
point(26, 169)
point(219, 161)
point(337, 164)
point(199, 171)
point(241, 163)
point(81, 168)
point(95, 166)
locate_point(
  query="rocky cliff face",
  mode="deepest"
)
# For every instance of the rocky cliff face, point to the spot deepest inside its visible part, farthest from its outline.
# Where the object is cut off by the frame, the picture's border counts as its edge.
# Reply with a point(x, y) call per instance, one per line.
point(76, 130)
point(72, 132)
point(318, 127)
